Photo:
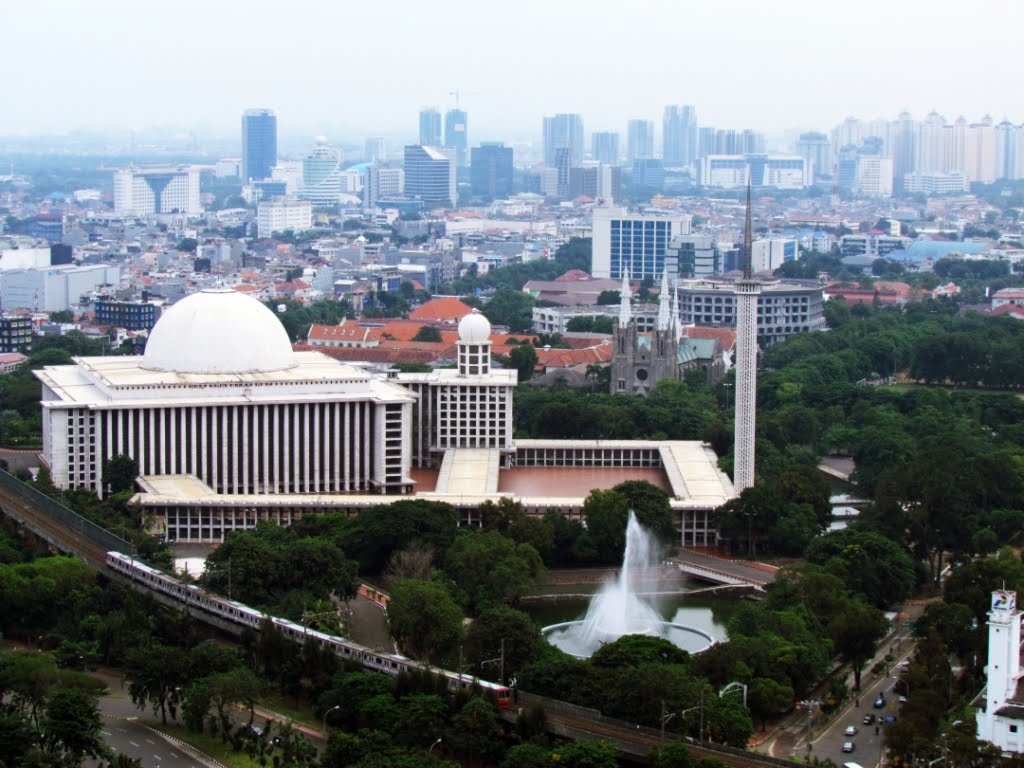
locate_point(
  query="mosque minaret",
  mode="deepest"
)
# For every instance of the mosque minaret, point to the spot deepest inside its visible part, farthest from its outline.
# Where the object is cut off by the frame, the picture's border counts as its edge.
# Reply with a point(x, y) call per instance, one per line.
point(747, 291)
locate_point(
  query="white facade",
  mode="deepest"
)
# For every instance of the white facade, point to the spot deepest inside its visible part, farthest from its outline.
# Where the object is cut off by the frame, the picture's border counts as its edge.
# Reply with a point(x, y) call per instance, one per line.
point(1001, 720)
point(24, 258)
point(54, 288)
point(220, 395)
point(321, 175)
point(382, 182)
point(937, 183)
point(874, 176)
point(152, 189)
point(735, 171)
point(228, 167)
point(282, 214)
point(769, 253)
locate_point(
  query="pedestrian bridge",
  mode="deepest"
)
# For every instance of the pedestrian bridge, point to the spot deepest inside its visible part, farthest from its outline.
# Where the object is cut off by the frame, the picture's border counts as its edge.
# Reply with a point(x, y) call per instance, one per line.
point(722, 570)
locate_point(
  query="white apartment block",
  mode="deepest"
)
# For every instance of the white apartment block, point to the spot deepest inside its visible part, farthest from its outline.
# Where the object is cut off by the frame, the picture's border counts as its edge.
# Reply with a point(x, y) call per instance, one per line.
point(54, 288)
point(936, 183)
point(382, 183)
point(874, 176)
point(153, 189)
point(282, 214)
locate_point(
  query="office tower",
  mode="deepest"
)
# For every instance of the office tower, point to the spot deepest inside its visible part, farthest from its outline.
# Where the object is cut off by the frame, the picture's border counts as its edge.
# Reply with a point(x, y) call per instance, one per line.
point(430, 175)
point(374, 150)
point(604, 147)
point(632, 244)
point(648, 174)
point(382, 183)
point(149, 189)
point(680, 135)
point(563, 131)
point(455, 135)
point(874, 176)
point(259, 143)
point(639, 140)
point(706, 142)
point(597, 181)
point(491, 170)
point(747, 291)
point(430, 127)
point(816, 149)
point(321, 174)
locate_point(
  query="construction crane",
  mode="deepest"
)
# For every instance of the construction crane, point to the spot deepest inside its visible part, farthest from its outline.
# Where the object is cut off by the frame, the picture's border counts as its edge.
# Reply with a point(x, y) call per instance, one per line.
point(456, 95)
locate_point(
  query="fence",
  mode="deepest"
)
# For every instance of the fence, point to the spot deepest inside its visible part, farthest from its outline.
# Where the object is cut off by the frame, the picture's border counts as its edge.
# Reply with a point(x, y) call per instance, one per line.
point(69, 518)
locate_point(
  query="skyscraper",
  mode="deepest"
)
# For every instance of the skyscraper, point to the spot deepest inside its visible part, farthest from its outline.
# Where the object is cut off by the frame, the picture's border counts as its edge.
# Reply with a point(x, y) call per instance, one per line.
point(604, 147)
point(430, 127)
point(321, 174)
point(491, 170)
point(374, 150)
point(259, 143)
point(430, 175)
point(563, 131)
point(816, 149)
point(747, 290)
point(680, 135)
point(639, 140)
point(455, 135)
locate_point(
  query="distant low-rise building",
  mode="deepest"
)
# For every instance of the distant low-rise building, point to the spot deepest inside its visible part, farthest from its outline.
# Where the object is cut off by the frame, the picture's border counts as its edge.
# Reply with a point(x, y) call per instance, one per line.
point(15, 333)
point(284, 214)
point(130, 315)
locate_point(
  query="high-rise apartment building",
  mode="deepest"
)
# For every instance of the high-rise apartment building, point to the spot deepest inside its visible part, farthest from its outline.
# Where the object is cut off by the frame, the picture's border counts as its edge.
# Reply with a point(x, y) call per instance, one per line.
point(259, 143)
point(632, 244)
point(563, 131)
point(455, 135)
point(639, 140)
point(604, 147)
point(430, 127)
point(430, 175)
point(491, 170)
point(680, 135)
point(1009, 150)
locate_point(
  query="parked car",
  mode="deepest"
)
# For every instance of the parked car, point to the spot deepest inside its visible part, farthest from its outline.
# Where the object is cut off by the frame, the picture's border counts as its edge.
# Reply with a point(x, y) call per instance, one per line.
point(847, 746)
point(869, 719)
point(851, 730)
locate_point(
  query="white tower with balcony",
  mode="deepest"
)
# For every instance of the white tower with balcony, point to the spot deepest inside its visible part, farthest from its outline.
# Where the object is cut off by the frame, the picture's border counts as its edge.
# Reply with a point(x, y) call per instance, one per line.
point(747, 291)
point(1001, 720)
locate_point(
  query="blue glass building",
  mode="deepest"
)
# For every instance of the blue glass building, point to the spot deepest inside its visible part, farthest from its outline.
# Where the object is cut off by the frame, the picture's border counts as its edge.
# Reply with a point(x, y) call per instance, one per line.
point(259, 143)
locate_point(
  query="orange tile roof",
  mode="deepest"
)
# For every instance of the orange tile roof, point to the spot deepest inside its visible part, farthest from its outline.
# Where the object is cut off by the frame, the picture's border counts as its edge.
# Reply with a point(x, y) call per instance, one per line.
point(447, 308)
point(566, 358)
point(726, 337)
point(346, 330)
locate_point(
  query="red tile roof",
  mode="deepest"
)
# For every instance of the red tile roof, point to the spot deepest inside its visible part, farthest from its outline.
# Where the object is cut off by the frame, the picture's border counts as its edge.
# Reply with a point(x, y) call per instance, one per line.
point(726, 337)
point(447, 309)
point(566, 358)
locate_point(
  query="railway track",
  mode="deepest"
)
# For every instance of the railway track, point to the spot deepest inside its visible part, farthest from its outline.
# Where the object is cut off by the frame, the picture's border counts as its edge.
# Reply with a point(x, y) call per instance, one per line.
point(74, 536)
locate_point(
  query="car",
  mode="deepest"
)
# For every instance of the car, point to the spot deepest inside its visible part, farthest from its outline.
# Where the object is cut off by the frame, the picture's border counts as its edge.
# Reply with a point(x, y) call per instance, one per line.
point(851, 730)
point(905, 664)
point(869, 719)
point(903, 699)
point(847, 746)
point(879, 702)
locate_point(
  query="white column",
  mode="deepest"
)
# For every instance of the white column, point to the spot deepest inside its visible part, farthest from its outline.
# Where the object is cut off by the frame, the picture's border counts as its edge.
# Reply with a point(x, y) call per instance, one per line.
point(305, 447)
point(213, 449)
point(225, 438)
point(192, 442)
point(316, 488)
point(235, 450)
point(287, 470)
point(335, 434)
point(133, 447)
point(204, 440)
point(246, 445)
point(346, 442)
point(152, 446)
point(746, 382)
point(358, 437)
point(275, 416)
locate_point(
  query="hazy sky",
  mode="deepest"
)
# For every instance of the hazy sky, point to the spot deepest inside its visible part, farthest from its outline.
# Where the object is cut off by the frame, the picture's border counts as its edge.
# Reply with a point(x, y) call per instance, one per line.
point(350, 69)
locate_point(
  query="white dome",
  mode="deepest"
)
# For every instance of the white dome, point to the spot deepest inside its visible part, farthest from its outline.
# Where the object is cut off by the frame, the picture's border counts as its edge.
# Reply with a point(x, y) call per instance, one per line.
point(474, 328)
point(218, 331)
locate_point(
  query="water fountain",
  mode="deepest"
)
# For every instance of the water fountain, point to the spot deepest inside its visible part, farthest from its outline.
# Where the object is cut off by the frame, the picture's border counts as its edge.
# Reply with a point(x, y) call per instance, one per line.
point(617, 609)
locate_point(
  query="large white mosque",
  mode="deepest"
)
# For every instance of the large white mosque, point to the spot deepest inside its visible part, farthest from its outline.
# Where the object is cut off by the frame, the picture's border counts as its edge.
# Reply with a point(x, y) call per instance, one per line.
point(230, 426)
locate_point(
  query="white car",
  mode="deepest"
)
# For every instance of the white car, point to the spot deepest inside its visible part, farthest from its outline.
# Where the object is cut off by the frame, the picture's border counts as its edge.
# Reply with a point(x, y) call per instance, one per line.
point(851, 730)
point(847, 746)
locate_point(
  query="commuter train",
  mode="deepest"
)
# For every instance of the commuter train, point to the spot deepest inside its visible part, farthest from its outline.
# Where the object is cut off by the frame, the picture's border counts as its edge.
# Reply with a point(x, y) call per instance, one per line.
point(238, 613)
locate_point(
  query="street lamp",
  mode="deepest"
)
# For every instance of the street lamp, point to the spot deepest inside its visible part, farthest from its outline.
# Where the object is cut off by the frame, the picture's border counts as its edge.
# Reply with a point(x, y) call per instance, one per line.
point(436, 742)
point(810, 704)
point(336, 706)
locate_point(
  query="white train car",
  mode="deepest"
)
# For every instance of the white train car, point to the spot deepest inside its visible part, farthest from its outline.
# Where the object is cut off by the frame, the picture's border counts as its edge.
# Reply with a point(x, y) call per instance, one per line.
point(239, 613)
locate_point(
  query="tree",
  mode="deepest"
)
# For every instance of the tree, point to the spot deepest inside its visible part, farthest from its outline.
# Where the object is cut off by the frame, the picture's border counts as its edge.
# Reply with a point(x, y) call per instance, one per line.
point(156, 674)
point(489, 568)
point(62, 316)
point(225, 690)
point(72, 726)
point(498, 630)
point(609, 297)
point(651, 506)
point(424, 618)
point(585, 754)
point(524, 359)
point(673, 755)
point(855, 634)
point(606, 513)
point(188, 245)
point(119, 473)
point(636, 650)
point(769, 698)
point(511, 308)
point(475, 730)
point(428, 333)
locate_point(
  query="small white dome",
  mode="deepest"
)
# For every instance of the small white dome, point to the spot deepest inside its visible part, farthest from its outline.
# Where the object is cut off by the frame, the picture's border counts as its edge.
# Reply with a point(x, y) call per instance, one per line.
point(218, 331)
point(474, 328)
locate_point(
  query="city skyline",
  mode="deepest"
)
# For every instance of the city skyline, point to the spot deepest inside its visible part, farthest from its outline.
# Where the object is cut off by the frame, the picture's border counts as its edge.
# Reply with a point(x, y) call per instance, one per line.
point(815, 71)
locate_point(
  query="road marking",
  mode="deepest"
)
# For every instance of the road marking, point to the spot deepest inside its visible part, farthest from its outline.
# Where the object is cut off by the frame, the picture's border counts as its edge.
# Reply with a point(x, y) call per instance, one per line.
point(150, 741)
point(158, 758)
point(106, 733)
point(175, 754)
point(133, 743)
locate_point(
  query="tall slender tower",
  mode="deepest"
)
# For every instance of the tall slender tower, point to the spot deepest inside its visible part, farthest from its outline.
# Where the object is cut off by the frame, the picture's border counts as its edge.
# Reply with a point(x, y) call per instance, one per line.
point(747, 290)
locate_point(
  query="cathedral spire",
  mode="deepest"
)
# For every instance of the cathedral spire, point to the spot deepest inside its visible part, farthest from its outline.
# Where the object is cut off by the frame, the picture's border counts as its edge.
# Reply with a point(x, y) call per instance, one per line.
point(677, 325)
point(747, 241)
point(664, 311)
point(624, 311)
